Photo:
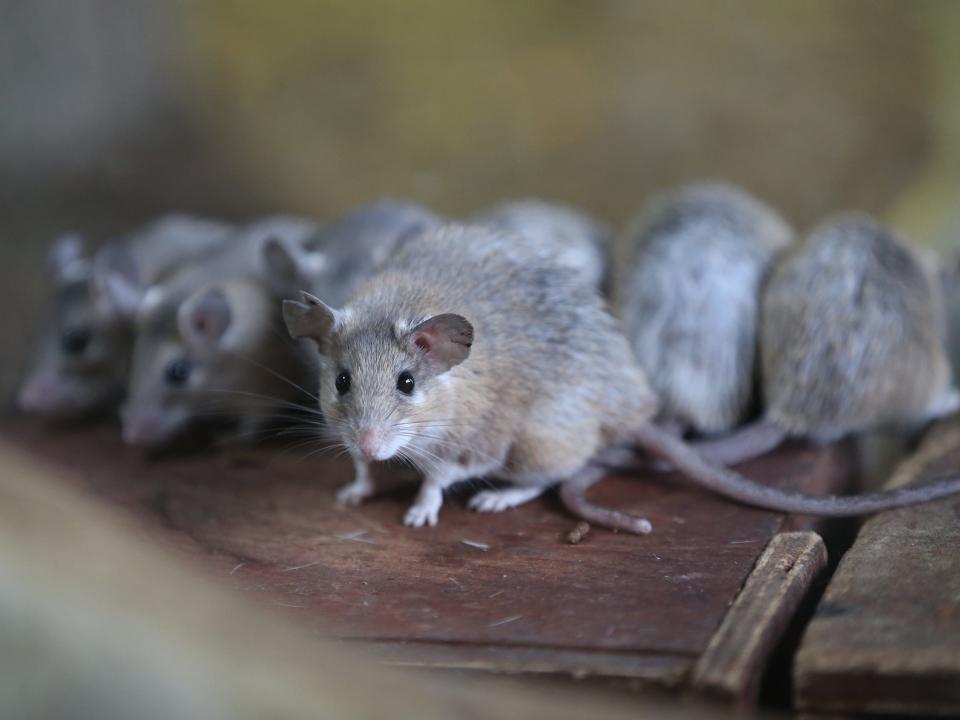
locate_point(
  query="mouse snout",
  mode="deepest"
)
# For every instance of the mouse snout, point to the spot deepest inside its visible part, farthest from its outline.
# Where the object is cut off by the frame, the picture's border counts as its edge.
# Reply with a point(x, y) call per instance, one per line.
point(40, 393)
point(373, 443)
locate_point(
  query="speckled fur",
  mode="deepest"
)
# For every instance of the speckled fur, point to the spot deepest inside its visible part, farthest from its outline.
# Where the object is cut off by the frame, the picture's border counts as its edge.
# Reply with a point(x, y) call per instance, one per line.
point(852, 334)
point(690, 304)
point(549, 378)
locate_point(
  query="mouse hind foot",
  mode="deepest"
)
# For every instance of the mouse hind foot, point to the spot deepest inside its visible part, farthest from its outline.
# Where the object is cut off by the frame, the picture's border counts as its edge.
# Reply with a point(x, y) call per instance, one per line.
point(503, 499)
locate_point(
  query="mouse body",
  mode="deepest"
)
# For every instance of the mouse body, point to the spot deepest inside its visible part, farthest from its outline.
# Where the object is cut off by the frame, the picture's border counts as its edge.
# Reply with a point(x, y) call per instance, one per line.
point(690, 302)
point(852, 339)
point(211, 348)
point(567, 236)
point(82, 359)
point(470, 358)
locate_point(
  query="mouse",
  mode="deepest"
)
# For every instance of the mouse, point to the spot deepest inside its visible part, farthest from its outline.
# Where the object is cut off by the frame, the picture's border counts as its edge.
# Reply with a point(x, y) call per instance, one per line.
point(470, 358)
point(852, 339)
point(573, 238)
point(690, 301)
point(81, 361)
point(211, 349)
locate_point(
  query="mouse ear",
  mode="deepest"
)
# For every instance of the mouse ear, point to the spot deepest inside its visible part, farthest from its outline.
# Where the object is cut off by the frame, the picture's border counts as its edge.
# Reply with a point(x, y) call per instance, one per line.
point(288, 267)
point(65, 259)
point(311, 318)
point(445, 340)
point(116, 279)
point(207, 318)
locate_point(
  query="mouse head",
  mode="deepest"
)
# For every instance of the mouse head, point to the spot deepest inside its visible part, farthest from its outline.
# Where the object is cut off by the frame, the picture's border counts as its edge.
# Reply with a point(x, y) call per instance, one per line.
point(81, 362)
point(190, 359)
point(384, 381)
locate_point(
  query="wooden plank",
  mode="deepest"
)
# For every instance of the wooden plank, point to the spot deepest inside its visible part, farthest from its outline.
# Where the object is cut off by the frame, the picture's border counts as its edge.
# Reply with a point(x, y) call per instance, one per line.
point(505, 590)
point(732, 665)
point(886, 636)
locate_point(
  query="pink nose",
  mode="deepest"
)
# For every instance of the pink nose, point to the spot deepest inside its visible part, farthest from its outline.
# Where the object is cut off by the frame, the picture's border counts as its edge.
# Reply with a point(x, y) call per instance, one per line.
point(369, 443)
point(38, 394)
point(141, 430)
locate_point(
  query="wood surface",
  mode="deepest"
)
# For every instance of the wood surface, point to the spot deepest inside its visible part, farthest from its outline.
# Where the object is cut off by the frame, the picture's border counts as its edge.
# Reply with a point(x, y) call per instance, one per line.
point(886, 636)
point(502, 592)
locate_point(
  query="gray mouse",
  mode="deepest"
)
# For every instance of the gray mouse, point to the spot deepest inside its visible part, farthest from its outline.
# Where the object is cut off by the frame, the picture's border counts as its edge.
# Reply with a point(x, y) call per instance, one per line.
point(691, 300)
point(82, 359)
point(470, 361)
point(570, 237)
point(852, 339)
point(211, 344)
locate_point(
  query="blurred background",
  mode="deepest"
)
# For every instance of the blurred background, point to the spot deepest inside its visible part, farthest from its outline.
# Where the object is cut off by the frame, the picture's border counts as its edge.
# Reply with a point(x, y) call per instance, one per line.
point(115, 112)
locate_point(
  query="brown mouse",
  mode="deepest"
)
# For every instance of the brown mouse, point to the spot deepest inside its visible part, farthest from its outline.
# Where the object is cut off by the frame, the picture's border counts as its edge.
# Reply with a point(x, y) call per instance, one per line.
point(471, 360)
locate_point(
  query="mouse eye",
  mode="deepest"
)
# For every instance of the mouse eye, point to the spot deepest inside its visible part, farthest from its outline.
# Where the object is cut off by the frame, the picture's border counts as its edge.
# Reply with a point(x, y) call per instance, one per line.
point(405, 382)
point(343, 382)
point(75, 340)
point(178, 372)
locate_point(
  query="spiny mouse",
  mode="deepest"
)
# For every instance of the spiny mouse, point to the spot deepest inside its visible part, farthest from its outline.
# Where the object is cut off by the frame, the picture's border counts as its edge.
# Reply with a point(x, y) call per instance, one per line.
point(852, 339)
point(690, 304)
point(470, 362)
point(211, 343)
point(82, 359)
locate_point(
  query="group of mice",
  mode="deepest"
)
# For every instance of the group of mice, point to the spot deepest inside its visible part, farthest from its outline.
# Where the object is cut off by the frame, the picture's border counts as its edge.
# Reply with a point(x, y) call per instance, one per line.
point(485, 348)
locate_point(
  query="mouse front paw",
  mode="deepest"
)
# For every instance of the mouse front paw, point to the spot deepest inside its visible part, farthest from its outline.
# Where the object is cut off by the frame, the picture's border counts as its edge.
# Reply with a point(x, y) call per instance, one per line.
point(422, 513)
point(353, 494)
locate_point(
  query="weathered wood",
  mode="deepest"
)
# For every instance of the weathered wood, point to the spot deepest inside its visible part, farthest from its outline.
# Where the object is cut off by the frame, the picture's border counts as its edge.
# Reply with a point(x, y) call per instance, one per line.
point(886, 636)
point(732, 665)
point(506, 591)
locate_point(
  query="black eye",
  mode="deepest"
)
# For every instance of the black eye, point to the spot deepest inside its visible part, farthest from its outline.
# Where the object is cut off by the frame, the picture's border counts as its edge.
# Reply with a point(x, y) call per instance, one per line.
point(343, 382)
point(178, 372)
point(405, 382)
point(75, 341)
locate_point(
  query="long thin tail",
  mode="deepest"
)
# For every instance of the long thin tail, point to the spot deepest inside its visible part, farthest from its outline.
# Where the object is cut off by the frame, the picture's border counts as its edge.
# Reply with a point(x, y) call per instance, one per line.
point(573, 496)
point(733, 485)
point(745, 443)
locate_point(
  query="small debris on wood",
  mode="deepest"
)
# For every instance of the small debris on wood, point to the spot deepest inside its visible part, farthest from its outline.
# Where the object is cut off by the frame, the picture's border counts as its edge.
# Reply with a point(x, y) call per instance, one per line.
point(504, 621)
point(578, 533)
point(475, 544)
point(357, 536)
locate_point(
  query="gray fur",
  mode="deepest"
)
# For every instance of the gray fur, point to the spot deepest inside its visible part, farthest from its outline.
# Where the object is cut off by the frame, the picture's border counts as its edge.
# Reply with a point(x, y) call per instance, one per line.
point(690, 304)
point(565, 236)
point(543, 381)
point(63, 383)
point(852, 334)
point(521, 406)
point(254, 372)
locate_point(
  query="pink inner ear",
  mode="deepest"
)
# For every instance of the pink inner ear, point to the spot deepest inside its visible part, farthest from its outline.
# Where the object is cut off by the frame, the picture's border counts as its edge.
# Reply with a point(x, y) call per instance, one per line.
point(200, 324)
point(421, 342)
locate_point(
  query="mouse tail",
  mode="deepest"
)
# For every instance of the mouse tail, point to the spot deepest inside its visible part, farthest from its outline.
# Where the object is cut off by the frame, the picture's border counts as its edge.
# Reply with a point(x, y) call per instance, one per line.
point(742, 444)
point(733, 485)
point(745, 443)
point(573, 496)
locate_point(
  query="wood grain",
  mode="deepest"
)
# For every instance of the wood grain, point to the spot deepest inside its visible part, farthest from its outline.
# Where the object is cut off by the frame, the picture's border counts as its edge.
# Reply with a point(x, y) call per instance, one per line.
point(886, 636)
point(506, 591)
point(732, 665)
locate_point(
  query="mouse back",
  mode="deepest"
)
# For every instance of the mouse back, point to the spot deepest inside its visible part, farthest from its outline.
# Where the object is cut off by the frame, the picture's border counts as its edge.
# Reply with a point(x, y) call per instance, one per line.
point(690, 302)
point(570, 237)
point(852, 333)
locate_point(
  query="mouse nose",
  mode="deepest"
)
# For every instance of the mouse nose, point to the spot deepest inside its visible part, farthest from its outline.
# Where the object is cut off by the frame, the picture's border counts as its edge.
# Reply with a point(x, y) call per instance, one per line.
point(369, 443)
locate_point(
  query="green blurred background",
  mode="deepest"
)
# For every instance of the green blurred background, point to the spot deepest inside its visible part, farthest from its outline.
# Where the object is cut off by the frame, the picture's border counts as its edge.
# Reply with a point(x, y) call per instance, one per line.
point(113, 112)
